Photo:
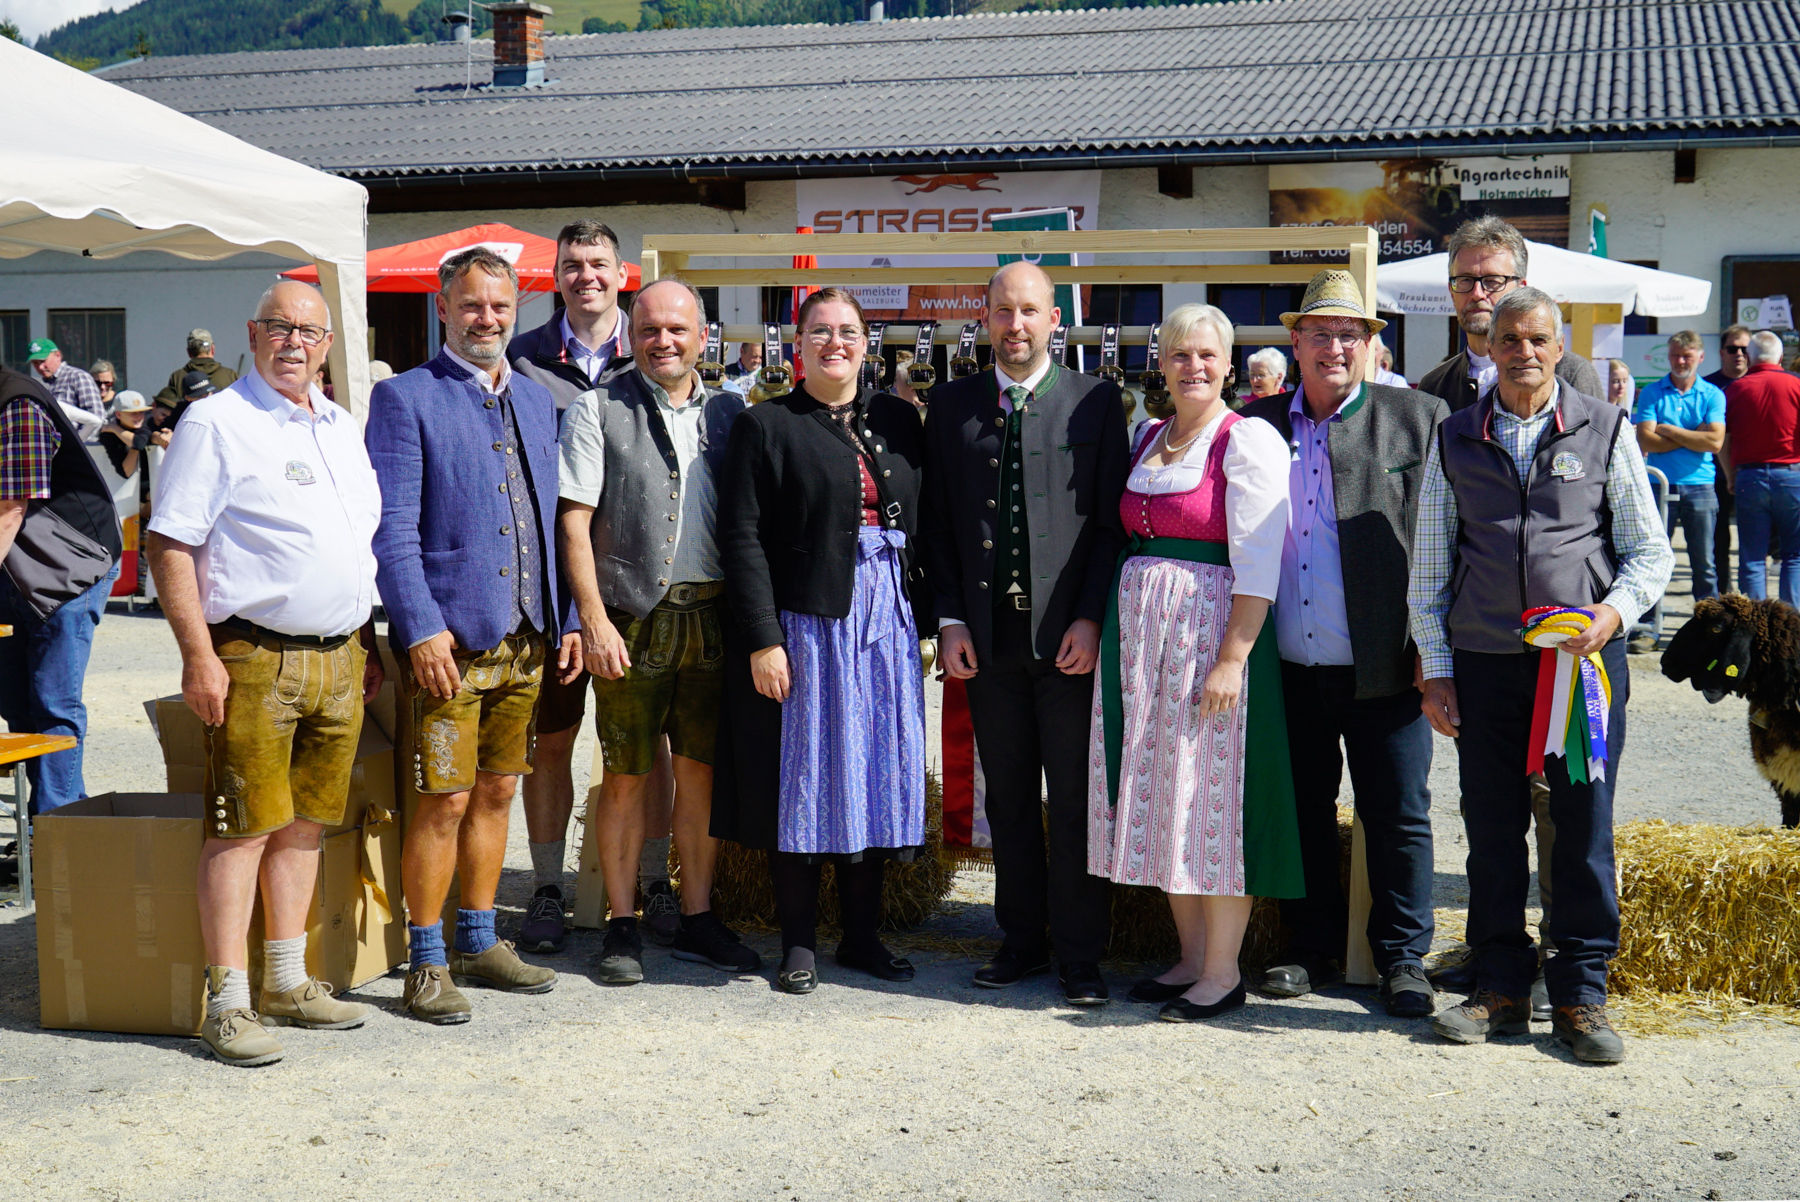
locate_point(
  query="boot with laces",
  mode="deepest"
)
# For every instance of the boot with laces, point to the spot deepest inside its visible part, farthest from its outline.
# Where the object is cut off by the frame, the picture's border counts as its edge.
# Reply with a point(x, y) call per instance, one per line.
point(1588, 1032)
point(1487, 1013)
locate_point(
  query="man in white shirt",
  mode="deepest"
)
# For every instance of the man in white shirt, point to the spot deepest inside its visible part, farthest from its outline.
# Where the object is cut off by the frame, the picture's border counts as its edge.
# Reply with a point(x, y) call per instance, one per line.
point(261, 551)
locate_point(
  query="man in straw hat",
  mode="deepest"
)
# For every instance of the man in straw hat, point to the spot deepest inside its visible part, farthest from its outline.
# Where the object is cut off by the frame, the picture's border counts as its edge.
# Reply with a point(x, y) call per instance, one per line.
point(1535, 496)
point(1347, 663)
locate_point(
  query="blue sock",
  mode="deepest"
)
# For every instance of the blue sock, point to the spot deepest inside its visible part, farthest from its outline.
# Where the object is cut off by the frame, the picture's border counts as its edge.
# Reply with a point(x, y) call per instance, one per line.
point(427, 944)
point(475, 931)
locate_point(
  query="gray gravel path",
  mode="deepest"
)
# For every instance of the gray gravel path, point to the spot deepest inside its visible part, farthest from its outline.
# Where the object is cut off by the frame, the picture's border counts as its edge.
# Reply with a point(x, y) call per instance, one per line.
point(698, 1084)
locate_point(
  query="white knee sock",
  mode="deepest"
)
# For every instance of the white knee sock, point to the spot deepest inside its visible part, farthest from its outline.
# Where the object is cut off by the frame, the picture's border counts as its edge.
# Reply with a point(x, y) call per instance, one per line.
point(547, 862)
point(284, 964)
point(233, 994)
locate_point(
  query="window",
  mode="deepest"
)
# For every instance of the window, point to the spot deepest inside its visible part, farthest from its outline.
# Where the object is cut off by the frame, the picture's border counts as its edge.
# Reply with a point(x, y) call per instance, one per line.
point(15, 338)
point(1256, 305)
point(1129, 305)
point(84, 335)
point(1638, 324)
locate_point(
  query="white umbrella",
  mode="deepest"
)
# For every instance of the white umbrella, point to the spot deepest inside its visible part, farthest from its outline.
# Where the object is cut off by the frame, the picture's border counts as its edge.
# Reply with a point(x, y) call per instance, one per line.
point(1421, 286)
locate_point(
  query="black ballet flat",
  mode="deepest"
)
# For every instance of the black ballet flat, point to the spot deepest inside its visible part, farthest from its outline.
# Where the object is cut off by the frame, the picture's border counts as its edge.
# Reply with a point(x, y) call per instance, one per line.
point(1155, 992)
point(878, 962)
point(795, 980)
point(1183, 1011)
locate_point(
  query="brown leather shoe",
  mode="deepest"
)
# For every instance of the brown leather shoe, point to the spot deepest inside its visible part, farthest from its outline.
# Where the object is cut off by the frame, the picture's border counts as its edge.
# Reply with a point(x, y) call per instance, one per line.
point(501, 968)
point(311, 1005)
point(236, 1038)
point(1487, 1013)
point(429, 995)
point(1588, 1032)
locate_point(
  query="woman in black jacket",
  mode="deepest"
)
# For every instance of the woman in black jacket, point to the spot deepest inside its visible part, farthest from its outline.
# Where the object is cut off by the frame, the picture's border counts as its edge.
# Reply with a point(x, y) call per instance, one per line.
point(821, 751)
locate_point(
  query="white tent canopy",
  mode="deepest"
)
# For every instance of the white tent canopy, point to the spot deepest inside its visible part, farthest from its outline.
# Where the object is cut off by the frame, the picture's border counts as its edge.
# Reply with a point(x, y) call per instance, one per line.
point(99, 171)
point(1420, 286)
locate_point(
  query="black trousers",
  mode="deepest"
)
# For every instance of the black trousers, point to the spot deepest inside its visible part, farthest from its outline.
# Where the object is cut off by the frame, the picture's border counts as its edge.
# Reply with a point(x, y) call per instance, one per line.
point(1031, 723)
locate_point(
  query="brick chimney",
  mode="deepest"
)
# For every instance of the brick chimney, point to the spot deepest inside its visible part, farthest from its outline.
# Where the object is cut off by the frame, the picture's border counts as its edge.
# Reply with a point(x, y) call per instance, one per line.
point(518, 43)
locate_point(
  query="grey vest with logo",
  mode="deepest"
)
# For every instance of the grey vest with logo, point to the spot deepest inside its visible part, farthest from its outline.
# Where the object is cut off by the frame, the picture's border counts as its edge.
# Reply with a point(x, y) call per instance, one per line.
point(634, 516)
point(1546, 542)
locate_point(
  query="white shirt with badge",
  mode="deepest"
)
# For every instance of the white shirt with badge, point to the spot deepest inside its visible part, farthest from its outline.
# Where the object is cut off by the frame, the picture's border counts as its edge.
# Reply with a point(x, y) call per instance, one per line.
point(283, 507)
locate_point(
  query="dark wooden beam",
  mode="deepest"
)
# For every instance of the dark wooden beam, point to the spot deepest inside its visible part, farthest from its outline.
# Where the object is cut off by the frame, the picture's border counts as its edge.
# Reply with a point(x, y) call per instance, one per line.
point(502, 192)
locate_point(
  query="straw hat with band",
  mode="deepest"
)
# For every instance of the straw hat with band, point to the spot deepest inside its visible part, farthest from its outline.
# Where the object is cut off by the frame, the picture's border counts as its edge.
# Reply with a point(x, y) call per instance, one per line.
point(1333, 293)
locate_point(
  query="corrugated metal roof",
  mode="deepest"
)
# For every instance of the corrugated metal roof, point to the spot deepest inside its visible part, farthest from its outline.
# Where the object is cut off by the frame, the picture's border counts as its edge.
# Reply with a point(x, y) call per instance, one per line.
point(1278, 77)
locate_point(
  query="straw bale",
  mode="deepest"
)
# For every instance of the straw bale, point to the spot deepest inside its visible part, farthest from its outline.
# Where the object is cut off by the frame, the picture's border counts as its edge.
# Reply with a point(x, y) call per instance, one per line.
point(1709, 910)
point(910, 893)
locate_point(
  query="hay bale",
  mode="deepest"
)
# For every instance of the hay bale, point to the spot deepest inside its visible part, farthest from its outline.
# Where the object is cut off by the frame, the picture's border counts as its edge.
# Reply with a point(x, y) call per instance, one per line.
point(1142, 929)
point(1709, 910)
point(910, 893)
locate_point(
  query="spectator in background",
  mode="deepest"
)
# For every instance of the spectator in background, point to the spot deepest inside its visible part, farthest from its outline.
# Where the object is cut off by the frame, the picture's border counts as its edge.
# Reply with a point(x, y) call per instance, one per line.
point(1680, 424)
point(1734, 362)
point(1621, 387)
point(59, 556)
point(1384, 366)
point(1762, 463)
point(71, 387)
point(200, 359)
point(749, 361)
point(901, 385)
point(106, 379)
point(126, 436)
point(1266, 371)
point(379, 371)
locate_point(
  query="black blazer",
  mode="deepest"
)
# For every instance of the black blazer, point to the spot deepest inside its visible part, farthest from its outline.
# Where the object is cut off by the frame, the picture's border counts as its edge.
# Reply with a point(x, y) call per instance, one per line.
point(1076, 462)
point(790, 504)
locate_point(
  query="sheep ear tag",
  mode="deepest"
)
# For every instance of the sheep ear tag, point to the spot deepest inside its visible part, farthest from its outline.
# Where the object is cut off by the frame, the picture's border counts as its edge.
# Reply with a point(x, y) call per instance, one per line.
point(1731, 670)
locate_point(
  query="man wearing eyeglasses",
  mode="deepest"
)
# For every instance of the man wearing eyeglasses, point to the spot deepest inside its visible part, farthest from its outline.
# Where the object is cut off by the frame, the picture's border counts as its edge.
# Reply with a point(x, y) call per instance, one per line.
point(465, 449)
point(1762, 462)
point(1734, 364)
point(1488, 259)
point(637, 528)
point(1347, 662)
point(260, 546)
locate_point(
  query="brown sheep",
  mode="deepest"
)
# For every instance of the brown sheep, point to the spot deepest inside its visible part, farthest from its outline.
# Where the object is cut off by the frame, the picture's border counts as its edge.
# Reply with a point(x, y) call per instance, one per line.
point(1750, 649)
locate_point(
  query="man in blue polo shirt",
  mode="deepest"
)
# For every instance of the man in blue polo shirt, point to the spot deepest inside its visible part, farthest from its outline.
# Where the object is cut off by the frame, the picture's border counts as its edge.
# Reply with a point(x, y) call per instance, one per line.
point(1680, 425)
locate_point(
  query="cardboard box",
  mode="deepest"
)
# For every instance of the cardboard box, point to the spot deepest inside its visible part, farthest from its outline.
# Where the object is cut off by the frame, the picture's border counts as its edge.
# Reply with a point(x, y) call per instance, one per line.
point(183, 739)
point(118, 929)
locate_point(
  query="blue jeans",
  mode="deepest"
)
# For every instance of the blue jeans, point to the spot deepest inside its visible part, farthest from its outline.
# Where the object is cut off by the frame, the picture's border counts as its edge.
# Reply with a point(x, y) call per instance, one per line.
point(1696, 508)
point(1388, 743)
point(1496, 694)
point(41, 671)
point(1768, 499)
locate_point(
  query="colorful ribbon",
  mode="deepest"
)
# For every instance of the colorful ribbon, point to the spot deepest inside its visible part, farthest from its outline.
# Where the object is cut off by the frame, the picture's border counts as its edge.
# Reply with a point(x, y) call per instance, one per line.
point(1574, 696)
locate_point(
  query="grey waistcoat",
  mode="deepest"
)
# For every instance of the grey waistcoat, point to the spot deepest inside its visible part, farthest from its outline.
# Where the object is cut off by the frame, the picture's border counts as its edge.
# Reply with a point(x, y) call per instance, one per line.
point(634, 516)
point(1546, 542)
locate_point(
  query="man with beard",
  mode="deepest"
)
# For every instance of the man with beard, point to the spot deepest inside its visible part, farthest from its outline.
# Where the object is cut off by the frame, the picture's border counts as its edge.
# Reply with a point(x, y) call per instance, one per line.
point(1020, 531)
point(465, 451)
point(638, 514)
point(1488, 259)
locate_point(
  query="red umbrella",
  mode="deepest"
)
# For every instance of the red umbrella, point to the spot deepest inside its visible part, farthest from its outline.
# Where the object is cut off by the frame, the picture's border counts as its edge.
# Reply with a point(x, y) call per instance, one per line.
point(412, 266)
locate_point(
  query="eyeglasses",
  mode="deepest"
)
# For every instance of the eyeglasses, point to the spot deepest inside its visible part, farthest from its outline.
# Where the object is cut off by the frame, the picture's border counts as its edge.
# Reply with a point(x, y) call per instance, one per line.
point(1321, 340)
point(1490, 284)
point(821, 335)
point(1735, 350)
point(103, 383)
point(281, 330)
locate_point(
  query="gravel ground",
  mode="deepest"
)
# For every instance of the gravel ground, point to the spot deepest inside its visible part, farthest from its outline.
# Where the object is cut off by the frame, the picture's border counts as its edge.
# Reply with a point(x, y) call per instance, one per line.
point(694, 1082)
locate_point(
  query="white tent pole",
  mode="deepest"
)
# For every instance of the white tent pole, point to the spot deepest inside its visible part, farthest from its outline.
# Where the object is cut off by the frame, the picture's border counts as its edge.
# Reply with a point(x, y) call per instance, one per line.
point(344, 285)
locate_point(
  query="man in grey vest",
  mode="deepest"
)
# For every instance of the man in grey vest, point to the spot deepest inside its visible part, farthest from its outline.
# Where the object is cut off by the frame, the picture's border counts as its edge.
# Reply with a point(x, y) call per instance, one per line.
point(1358, 453)
point(639, 505)
point(1488, 259)
point(1024, 467)
point(1534, 496)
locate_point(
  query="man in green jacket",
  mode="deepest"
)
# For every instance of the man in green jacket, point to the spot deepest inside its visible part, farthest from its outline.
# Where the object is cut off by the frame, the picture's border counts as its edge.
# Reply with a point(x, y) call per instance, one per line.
point(200, 359)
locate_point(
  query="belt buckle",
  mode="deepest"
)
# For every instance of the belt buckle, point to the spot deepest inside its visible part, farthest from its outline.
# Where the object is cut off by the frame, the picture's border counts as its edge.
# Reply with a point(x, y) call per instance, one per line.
point(1020, 602)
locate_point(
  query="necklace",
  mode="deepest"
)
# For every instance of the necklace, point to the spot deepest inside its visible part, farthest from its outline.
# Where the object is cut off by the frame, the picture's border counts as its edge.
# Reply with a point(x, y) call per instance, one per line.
point(1170, 449)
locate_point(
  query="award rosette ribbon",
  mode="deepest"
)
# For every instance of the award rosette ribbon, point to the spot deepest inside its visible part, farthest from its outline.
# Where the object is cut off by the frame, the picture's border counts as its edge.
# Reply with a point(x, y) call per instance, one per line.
point(1574, 695)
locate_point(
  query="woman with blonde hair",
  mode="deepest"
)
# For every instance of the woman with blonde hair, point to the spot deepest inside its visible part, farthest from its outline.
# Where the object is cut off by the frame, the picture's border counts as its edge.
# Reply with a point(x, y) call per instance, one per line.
point(1190, 788)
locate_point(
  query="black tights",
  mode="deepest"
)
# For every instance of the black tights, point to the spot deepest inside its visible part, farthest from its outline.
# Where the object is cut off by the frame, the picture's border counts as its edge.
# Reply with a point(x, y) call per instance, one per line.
point(796, 880)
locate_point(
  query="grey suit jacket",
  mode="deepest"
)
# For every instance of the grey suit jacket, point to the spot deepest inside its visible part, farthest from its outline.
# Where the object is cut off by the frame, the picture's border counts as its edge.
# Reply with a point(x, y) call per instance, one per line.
point(1378, 453)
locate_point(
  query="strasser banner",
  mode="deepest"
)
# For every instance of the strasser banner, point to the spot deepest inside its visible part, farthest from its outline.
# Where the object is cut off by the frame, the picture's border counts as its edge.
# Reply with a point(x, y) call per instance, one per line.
point(1414, 205)
point(936, 204)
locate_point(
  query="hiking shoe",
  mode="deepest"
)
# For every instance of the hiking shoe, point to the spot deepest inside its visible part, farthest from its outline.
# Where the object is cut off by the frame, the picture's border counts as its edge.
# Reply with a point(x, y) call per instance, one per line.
point(1485, 1014)
point(236, 1038)
point(1406, 993)
point(310, 1005)
point(621, 959)
point(662, 913)
point(705, 940)
point(430, 995)
point(501, 968)
point(544, 929)
point(1588, 1032)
